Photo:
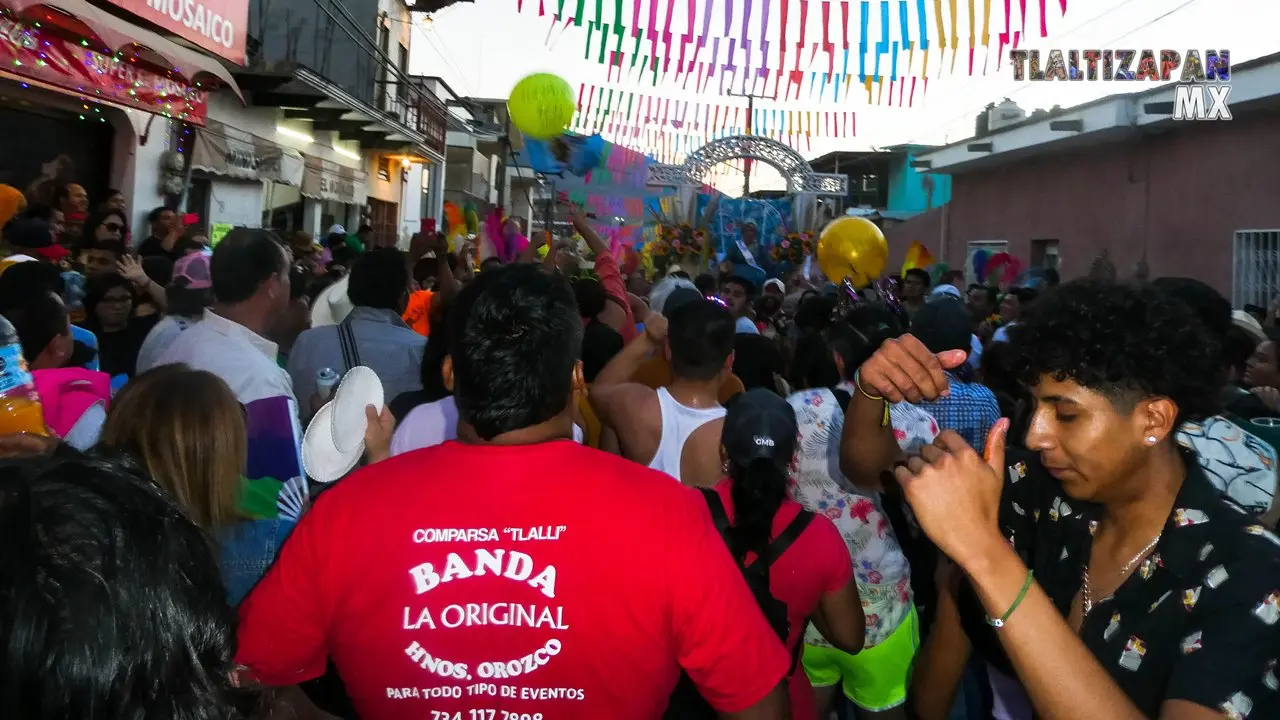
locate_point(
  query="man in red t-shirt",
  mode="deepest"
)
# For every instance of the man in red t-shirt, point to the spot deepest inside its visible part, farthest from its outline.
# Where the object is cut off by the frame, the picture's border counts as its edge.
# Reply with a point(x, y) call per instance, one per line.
point(513, 573)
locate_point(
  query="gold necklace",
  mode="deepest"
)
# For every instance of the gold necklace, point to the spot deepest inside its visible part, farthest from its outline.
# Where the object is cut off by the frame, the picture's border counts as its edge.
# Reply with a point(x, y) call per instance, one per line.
point(1086, 592)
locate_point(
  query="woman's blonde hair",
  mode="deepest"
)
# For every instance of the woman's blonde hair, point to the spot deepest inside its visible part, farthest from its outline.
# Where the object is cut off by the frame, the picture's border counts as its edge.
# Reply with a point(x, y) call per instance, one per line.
point(188, 429)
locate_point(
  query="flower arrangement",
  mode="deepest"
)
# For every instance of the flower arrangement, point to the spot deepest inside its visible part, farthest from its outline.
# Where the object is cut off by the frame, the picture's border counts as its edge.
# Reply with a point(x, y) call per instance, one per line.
point(793, 248)
point(679, 240)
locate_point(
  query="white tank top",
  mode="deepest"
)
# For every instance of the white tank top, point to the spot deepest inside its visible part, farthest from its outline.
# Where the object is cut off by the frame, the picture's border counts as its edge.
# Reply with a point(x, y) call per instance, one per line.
point(678, 423)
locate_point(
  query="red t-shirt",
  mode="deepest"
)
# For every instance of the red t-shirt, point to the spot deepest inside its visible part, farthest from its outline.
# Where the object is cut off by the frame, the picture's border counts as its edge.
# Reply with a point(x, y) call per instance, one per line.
point(544, 581)
point(817, 563)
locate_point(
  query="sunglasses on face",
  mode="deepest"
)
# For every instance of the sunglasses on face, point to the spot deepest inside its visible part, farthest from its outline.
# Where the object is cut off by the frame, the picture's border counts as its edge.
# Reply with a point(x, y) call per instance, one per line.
point(113, 227)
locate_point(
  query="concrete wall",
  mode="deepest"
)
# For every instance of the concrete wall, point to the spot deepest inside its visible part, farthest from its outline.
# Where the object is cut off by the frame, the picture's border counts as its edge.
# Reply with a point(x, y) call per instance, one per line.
point(1177, 197)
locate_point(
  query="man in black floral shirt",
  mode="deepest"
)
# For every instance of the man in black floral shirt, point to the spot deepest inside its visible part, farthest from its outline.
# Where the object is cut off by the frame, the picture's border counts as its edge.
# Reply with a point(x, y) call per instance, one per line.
point(1118, 581)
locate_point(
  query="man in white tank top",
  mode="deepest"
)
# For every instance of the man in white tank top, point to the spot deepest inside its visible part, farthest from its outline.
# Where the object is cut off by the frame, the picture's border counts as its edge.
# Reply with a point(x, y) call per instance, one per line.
point(674, 429)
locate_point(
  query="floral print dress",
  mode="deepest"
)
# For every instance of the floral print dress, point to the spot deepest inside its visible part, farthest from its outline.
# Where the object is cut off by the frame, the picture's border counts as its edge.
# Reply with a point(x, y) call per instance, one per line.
point(879, 566)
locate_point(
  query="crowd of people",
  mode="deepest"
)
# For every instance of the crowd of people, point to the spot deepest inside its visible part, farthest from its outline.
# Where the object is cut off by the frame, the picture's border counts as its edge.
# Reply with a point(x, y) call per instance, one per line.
point(589, 496)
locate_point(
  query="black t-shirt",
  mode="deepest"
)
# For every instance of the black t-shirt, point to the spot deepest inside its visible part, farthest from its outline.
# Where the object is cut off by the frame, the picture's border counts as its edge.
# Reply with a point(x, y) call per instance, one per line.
point(154, 246)
point(1199, 620)
point(118, 351)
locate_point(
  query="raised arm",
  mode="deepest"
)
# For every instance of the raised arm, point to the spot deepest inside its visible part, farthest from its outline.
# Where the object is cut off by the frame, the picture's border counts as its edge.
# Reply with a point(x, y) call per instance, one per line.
point(955, 494)
point(613, 396)
point(902, 369)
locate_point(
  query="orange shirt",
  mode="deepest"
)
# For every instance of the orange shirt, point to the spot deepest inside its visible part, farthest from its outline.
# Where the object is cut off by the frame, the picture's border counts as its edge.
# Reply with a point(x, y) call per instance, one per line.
point(417, 313)
point(656, 372)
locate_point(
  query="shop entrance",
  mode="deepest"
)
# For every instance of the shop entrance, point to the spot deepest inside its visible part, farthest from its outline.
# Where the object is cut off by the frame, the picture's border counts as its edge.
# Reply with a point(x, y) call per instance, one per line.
point(48, 147)
point(384, 218)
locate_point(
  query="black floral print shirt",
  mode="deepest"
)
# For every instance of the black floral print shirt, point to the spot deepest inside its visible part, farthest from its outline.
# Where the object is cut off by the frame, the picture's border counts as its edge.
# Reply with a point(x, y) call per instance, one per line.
point(1196, 621)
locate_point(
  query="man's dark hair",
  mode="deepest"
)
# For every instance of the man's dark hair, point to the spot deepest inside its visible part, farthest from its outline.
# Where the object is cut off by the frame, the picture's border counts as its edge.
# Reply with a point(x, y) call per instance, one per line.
point(114, 605)
point(115, 247)
point(1025, 295)
point(942, 325)
point(701, 335)
point(24, 279)
point(379, 280)
point(29, 233)
point(515, 336)
point(706, 283)
point(854, 337)
point(1213, 309)
point(1127, 342)
point(364, 229)
point(437, 350)
point(39, 211)
point(747, 286)
point(599, 344)
point(993, 297)
point(591, 296)
point(919, 274)
point(38, 320)
point(755, 360)
point(427, 268)
point(244, 260)
point(154, 216)
point(188, 241)
point(1051, 277)
point(490, 263)
point(1237, 347)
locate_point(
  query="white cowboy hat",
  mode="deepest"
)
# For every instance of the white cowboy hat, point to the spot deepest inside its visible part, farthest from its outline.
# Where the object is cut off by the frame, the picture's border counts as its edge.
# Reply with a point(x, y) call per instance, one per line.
point(332, 305)
point(1249, 324)
point(333, 444)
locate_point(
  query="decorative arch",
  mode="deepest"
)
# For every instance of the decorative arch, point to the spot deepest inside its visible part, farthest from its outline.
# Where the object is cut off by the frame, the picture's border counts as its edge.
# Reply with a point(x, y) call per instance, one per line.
point(799, 175)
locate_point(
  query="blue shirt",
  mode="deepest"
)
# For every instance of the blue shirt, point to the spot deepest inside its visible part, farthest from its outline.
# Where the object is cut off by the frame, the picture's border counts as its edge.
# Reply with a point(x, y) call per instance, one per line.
point(90, 340)
point(970, 410)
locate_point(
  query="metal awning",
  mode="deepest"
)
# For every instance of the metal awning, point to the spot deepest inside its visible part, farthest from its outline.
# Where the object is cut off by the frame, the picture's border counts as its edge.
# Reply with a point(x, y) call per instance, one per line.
point(111, 35)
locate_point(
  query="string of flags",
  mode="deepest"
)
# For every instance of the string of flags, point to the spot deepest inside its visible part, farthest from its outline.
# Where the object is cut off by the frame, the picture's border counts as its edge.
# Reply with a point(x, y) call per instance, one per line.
point(665, 123)
point(637, 48)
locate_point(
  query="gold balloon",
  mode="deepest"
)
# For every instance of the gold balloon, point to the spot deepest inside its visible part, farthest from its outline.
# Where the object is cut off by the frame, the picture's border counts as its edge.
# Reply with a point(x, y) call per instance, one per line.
point(853, 248)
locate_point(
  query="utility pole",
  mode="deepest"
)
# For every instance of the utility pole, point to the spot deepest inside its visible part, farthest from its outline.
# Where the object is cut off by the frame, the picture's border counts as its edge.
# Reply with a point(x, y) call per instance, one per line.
point(751, 111)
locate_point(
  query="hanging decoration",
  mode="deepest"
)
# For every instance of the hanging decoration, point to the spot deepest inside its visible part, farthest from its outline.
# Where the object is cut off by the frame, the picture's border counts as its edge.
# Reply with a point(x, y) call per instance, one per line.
point(48, 58)
point(890, 66)
point(674, 127)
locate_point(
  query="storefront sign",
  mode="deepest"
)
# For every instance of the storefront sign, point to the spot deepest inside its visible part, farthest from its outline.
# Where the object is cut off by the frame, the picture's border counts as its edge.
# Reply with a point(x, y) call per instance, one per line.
point(25, 52)
point(323, 180)
point(231, 152)
point(219, 26)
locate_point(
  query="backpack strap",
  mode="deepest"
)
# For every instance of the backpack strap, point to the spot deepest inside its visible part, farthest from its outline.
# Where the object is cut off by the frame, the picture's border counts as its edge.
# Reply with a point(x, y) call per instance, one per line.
point(347, 340)
point(718, 514)
point(843, 397)
point(784, 540)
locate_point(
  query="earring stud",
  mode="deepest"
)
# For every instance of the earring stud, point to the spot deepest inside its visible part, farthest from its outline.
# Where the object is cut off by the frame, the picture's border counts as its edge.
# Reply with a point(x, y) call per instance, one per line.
point(1151, 439)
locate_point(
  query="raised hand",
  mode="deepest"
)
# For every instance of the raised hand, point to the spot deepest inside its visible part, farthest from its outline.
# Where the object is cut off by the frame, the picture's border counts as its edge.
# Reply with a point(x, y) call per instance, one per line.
point(903, 369)
point(955, 493)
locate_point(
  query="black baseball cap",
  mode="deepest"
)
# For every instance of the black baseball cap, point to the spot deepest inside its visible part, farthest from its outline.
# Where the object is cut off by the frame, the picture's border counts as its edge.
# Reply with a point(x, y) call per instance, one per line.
point(943, 324)
point(760, 425)
point(679, 297)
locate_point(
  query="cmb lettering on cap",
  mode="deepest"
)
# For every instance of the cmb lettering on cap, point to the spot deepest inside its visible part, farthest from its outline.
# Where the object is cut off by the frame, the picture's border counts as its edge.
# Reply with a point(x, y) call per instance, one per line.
point(764, 441)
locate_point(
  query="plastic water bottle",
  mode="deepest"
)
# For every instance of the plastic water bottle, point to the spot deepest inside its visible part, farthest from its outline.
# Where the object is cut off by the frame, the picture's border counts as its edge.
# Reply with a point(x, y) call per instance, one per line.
point(20, 409)
point(326, 378)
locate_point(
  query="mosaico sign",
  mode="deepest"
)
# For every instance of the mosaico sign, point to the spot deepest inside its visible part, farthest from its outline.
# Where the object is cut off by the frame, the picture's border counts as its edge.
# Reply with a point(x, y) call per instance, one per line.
point(219, 26)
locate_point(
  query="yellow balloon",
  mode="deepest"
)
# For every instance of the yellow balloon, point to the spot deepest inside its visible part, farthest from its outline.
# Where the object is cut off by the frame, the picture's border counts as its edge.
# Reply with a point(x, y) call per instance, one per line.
point(541, 106)
point(854, 248)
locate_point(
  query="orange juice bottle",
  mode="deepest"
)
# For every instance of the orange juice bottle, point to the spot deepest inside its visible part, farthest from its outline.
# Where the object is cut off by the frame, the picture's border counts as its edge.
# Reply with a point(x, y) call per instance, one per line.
point(20, 409)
